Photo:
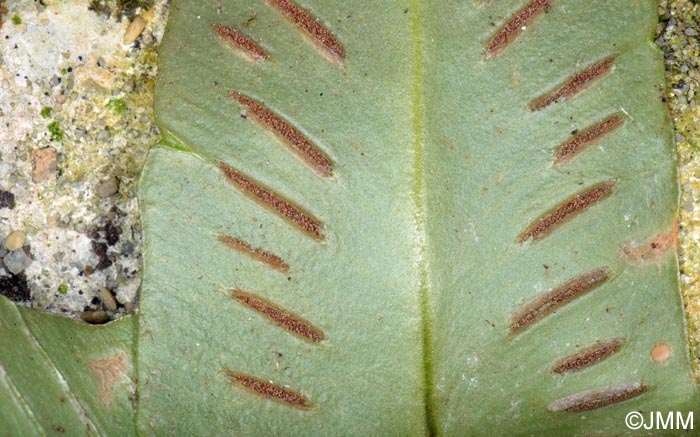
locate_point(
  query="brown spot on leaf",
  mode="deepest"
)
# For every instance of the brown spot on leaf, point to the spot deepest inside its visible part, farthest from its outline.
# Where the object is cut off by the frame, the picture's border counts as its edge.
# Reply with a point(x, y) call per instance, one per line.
point(287, 134)
point(256, 253)
point(661, 352)
point(268, 390)
point(240, 43)
point(514, 27)
point(567, 210)
point(318, 35)
point(582, 139)
point(651, 250)
point(550, 301)
point(577, 83)
point(274, 202)
point(588, 356)
point(283, 318)
point(108, 372)
point(593, 399)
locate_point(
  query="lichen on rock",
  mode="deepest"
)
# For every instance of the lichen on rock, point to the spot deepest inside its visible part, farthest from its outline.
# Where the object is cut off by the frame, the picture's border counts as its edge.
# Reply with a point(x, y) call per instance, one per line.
point(677, 36)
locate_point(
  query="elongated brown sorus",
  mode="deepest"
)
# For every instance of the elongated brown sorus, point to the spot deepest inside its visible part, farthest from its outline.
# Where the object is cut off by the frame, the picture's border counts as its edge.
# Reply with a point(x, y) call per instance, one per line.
point(588, 356)
point(544, 225)
point(584, 138)
point(285, 319)
point(268, 390)
point(274, 202)
point(577, 83)
point(256, 253)
point(510, 31)
point(318, 35)
point(240, 43)
point(593, 399)
point(285, 132)
point(559, 296)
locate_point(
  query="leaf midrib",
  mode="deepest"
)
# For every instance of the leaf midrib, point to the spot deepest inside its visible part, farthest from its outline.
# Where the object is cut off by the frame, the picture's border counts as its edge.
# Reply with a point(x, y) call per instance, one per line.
point(418, 127)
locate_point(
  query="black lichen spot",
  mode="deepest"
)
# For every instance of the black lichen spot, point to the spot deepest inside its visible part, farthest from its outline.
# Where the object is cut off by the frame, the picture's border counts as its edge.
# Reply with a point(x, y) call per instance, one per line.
point(7, 200)
point(100, 250)
point(15, 287)
point(120, 8)
point(105, 236)
point(112, 233)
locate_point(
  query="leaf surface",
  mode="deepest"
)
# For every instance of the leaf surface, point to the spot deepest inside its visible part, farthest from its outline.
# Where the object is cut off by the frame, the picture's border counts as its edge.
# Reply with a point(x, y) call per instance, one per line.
point(61, 376)
point(408, 218)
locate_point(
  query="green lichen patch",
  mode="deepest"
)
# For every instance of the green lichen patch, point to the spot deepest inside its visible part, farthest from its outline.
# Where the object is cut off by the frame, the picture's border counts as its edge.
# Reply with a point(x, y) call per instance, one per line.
point(117, 105)
point(46, 112)
point(55, 131)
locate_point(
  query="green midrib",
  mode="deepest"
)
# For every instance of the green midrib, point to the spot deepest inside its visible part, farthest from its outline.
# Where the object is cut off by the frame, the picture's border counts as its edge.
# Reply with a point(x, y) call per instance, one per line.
point(418, 126)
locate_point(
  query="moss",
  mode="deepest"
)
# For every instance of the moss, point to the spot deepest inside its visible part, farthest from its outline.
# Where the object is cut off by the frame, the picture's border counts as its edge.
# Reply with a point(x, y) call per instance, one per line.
point(63, 289)
point(55, 131)
point(46, 112)
point(126, 8)
point(117, 105)
point(16, 20)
